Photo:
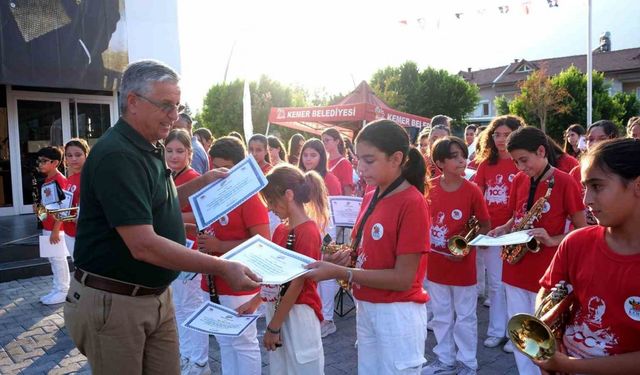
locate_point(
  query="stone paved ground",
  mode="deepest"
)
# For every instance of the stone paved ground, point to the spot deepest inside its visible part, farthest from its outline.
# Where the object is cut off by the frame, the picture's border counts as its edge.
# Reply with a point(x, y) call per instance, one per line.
point(34, 340)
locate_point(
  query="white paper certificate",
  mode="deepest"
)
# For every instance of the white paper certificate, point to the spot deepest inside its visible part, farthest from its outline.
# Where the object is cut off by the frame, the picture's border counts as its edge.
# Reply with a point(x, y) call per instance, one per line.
point(214, 319)
point(276, 265)
point(344, 210)
point(469, 173)
point(215, 200)
point(49, 250)
point(514, 238)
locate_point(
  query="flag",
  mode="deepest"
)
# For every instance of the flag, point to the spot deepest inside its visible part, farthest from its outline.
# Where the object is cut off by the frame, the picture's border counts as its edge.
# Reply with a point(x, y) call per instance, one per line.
point(247, 122)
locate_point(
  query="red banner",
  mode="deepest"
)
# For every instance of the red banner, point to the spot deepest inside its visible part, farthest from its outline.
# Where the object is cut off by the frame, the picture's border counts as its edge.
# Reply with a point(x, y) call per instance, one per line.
point(335, 113)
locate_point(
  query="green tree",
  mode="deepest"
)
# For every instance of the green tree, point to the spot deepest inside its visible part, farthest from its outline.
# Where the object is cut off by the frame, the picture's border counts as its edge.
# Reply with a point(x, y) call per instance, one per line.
point(397, 86)
point(630, 104)
point(502, 105)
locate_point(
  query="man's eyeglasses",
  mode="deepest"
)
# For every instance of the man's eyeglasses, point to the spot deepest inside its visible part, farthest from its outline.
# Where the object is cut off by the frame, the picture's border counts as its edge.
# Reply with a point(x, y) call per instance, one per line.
point(164, 107)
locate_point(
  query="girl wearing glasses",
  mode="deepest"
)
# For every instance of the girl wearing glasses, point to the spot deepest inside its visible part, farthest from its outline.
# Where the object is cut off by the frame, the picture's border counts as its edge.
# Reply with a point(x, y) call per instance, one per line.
point(496, 171)
point(602, 263)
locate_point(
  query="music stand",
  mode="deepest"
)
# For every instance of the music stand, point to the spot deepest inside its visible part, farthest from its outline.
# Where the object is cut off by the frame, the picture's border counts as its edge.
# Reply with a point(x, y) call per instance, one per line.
point(339, 297)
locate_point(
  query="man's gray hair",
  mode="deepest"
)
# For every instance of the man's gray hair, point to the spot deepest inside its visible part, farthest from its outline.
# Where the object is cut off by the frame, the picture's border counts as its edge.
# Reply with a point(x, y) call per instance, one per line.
point(140, 75)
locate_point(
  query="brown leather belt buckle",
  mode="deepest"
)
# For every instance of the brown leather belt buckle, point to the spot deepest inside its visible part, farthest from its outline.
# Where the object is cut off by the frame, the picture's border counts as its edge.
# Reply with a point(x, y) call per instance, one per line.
point(113, 286)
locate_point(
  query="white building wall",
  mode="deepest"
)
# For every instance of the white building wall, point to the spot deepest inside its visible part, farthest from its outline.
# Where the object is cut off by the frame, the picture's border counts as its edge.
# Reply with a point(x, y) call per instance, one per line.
point(152, 31)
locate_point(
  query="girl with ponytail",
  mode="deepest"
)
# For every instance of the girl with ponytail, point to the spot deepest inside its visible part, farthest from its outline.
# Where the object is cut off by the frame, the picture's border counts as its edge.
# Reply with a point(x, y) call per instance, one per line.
point(294, 312)
point(391, 241)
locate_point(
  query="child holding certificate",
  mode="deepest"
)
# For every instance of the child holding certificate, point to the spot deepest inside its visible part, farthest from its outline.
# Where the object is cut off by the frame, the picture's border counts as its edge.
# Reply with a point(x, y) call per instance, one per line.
point(238, 355)
point(601, 263)
point(186, 293)
point(454, 204)
point(294, 310)
point(391, 240)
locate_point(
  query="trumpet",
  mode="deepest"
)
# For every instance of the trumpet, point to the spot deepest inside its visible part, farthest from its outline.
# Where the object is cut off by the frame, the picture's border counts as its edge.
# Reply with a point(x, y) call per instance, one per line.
point(536, 335)
point(329, 247)
point(62, 214)
point(458, 245)
point(514, 253)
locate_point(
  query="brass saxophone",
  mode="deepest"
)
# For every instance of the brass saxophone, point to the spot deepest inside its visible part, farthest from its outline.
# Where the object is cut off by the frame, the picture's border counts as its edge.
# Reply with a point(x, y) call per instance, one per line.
point(329, 247)
point(514, 253)
point(536, 335)
point(458, 245)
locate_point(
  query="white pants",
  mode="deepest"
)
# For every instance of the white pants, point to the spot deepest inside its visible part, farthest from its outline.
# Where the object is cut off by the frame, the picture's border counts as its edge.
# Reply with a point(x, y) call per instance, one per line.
point(497, 297)
point(327, 290)
point(71, 243)
point(240, 355)
point(301, 351)
point(480, 273)
point(187, 297)
point(391, 337)
point(521, 301)
point(455, 323)
point(59, 268)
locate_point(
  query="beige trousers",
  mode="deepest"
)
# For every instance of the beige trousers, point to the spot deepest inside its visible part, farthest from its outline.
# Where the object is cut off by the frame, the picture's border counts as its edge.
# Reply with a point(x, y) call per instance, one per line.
point(121, 334)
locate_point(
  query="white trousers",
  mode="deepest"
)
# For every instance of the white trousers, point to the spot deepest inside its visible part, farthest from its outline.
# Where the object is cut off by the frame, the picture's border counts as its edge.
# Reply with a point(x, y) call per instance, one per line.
point(454, 323)
point(240, 355)
point(521, 301)
point(301, 351)
point(480, 274)
point(391, 337)
point(71, 243)
point(187, 297)
point(327, 290)
point(59, 268)
point(497, 297)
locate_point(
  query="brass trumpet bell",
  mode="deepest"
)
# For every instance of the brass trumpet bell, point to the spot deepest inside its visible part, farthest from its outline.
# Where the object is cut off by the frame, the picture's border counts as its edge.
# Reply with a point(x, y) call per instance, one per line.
point(458, 246)
point(531, 336)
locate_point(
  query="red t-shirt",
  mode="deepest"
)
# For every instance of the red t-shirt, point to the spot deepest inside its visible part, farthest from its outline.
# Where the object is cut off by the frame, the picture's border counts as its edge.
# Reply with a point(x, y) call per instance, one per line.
point(342, 169)
point(566, 163)
point(266, 167)
point(575, 173)
point(606, 314)
point(397, 226)
point(333, 184)
point(563, 202)
point(183, 178)
point(73, 185)
point(450, 212)
point(48, 223)
point(235, 226)
point(307, 242)
point(495, 181)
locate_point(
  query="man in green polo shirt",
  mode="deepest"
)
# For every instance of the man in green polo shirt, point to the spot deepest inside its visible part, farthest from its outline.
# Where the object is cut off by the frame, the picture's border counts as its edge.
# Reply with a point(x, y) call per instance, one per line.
point(130, 240)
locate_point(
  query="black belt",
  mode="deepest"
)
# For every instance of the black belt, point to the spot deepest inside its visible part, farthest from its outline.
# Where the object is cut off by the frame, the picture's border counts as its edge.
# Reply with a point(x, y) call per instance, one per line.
point(114, 286)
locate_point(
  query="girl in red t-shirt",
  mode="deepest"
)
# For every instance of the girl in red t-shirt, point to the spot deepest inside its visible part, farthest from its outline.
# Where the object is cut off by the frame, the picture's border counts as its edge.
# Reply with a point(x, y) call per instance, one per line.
point(338, 164)
point(452, 279)
point(314, 158)
point(258, 148)
point(391, 243)
point(294, 312)
point(602, 264)
point(75, 154)
point(186, 293)
point(49, 158)
point(494, 176)
point(529, 148)
point(238, 355)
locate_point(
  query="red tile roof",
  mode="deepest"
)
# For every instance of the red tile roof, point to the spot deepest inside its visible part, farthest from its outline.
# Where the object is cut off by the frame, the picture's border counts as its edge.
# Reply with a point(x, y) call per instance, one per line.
point(606, 62)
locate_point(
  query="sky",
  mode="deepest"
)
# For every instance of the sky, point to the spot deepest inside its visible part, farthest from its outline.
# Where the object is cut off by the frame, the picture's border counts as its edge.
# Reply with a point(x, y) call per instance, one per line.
point(332, 45)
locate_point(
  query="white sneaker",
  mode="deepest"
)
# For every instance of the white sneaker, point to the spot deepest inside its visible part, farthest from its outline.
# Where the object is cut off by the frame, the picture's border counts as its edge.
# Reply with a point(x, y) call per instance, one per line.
point(439, 368)
point(464, 370)
point(508, 347)
point(327, 327)
point(54, 299)
point(492, 341)
point(198, 369)
point(47, 296)
point(486, 303)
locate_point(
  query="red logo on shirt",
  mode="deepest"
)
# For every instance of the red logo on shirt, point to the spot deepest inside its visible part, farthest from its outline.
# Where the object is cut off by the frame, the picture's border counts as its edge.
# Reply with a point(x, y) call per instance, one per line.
point(47, 192)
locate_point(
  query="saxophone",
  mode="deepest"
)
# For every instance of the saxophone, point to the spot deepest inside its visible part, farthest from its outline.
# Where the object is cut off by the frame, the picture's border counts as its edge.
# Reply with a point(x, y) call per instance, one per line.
point(38, 208)
point(330, 247)
point(536, 335)
point(514, 253)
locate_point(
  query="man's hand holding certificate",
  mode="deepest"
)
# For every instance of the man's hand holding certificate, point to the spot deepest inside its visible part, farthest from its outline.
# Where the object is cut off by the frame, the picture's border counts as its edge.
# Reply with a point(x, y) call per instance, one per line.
point(276, 265)
point(215, 200)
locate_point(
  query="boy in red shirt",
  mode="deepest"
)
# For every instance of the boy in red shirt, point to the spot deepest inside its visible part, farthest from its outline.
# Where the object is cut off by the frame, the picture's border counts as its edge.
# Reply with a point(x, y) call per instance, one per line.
point(49, 158)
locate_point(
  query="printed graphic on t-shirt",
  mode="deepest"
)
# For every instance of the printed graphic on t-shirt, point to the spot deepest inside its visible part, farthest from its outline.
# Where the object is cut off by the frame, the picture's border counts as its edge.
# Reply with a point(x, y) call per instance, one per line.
point(587, 337)
point(456, 214)
point(439, 231)
point(632, 308)
point(497, 193)
point(224, 220)
point(377, 231)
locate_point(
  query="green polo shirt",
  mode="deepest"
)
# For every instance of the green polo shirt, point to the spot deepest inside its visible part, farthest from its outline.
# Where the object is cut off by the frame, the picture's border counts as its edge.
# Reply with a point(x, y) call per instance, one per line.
point(125, 181)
